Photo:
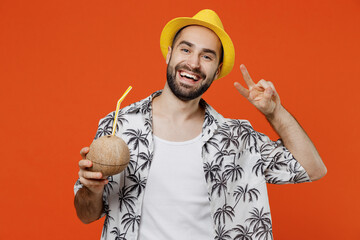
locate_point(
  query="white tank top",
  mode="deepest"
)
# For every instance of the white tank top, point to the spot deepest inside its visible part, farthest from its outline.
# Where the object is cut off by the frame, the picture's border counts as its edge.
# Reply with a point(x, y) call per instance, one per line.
point(176, 203)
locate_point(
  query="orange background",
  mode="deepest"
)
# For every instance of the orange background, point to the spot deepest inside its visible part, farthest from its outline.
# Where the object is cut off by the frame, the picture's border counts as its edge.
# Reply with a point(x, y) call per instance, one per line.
point(64, 64)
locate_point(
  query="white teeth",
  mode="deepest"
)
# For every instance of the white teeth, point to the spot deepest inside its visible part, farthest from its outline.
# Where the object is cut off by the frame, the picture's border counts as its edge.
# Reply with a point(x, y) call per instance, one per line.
point(188, 75)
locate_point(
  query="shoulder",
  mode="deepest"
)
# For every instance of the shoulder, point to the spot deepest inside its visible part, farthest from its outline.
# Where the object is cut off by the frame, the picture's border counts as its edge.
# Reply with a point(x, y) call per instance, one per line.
point(143, 106)
point(237, 128)
point(212, 115)
point(135, 113)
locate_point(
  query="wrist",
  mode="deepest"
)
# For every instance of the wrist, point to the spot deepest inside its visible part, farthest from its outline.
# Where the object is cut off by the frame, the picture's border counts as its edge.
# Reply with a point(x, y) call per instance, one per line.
point(276, 115)
point(94, 192)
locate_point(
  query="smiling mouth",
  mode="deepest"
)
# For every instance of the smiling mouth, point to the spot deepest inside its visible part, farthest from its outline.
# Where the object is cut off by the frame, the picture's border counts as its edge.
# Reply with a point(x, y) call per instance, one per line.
point(189, 76)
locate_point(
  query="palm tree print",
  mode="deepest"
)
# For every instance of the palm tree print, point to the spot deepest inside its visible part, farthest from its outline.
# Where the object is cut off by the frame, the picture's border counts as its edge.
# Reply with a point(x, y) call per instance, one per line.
point(258, 168)
point(148, 124)
point(277, 162)
point(139, 184)
point(109, 187)
point(233, 171)
point(121, 118)
point(294, 168)
point(107, 219)
point(107, 124)
point(242, 193)
point(103, 131)
point(134, 108)
point(221, 154)
point(118, 234)
point(222, 233)
point(126, 199)
point(211, 171)
point(146, 157)
point(222, 213)
point(266, 150)
point(209, 118)
point(137, 137)
point(211, 142)
point(146, 107)
point(243, 233)
point(239, 126)
point(249, 137)
point(270, 178)
point(220, 186)
point(299, 177)
point(264, 232)
point(130, 220)
point(228, 137)
point(108, 120)
point(259, 219)
point(131, 168)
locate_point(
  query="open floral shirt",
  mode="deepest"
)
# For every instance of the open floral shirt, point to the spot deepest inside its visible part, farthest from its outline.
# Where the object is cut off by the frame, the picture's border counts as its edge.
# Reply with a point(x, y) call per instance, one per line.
point(237, 160)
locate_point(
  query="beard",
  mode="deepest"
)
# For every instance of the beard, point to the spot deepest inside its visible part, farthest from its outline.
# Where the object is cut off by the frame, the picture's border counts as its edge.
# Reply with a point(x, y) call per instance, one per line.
point(183, 91)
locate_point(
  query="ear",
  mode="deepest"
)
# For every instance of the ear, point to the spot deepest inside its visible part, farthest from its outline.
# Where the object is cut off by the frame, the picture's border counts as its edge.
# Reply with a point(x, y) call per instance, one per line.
point(168, 56)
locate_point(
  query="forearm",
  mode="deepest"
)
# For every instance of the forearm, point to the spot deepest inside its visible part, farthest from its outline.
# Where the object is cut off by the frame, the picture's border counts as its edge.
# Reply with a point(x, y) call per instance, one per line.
point(88, 205)
point(297, 142)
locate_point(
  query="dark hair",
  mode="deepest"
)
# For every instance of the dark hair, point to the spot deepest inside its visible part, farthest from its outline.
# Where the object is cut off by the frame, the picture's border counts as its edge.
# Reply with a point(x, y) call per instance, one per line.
point(177, 36)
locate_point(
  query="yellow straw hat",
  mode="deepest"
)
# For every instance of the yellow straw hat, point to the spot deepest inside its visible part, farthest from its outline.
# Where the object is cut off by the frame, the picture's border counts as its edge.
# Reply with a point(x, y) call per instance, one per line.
point(207, 18)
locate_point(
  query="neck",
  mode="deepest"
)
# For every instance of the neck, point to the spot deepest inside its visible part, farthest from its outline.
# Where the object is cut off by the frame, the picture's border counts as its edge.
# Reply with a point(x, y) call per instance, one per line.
point(171, 107)
point(174, 119)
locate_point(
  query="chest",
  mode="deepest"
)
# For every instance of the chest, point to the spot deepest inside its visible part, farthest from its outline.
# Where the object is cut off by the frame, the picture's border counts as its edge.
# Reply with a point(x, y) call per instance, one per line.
point(176, 131)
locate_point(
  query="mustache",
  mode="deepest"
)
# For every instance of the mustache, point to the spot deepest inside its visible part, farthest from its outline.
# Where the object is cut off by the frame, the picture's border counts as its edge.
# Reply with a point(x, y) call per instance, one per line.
point(187, 68)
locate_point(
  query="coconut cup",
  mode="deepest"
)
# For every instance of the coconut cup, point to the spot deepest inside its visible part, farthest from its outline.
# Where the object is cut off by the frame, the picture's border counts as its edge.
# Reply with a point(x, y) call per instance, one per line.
point(109, 154)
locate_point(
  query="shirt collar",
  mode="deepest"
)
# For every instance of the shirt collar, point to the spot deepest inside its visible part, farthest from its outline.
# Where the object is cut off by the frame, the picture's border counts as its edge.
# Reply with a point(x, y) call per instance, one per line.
point(211, 120)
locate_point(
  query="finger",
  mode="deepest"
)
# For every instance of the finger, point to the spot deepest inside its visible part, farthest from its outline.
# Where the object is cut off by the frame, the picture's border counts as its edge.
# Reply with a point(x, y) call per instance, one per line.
point(273, 88)
point(264, 84)
point(243, 91)
point(84, 151)
point(93, 183)
point(85, 164)
point(268, 93)
point(249, 82)
point(91, 175)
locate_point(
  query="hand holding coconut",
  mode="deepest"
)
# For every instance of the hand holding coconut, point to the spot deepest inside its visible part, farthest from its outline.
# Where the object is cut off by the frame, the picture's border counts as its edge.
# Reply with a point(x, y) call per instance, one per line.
point(94, 181)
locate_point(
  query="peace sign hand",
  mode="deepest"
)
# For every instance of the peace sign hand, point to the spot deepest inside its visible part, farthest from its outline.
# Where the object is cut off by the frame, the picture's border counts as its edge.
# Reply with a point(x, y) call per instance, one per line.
point(262, 95)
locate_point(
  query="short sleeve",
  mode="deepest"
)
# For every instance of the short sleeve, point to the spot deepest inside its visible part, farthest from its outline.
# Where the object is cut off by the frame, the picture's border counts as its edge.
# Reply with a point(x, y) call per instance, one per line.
point(77, 186)
point(280, 166)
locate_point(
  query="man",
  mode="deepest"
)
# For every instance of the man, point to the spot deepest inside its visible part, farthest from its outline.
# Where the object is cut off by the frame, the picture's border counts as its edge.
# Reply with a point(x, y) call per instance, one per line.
point(194, 174)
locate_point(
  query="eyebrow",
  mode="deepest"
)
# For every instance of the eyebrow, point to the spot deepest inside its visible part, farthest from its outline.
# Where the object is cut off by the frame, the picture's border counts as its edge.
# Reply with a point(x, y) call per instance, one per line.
point(206, 50)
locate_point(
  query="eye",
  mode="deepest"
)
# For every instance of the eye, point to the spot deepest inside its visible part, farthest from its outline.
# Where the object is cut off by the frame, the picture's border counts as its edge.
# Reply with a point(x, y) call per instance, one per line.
point(207, 57)
point(185, 50)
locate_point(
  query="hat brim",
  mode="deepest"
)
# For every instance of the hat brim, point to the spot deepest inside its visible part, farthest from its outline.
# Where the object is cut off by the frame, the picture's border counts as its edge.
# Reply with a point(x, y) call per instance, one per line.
point(172, 27)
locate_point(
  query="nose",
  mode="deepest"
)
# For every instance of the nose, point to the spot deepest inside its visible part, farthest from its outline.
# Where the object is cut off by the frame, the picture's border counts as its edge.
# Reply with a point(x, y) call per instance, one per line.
point(193, 61)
